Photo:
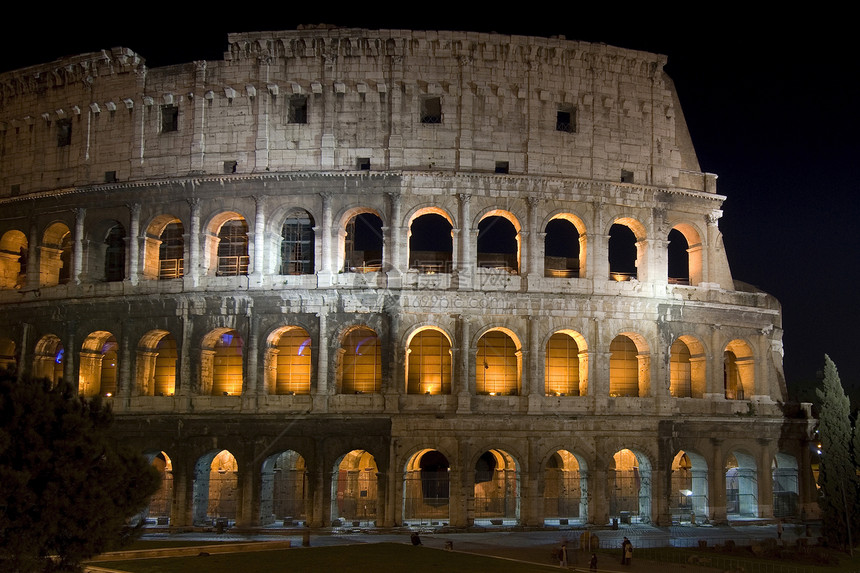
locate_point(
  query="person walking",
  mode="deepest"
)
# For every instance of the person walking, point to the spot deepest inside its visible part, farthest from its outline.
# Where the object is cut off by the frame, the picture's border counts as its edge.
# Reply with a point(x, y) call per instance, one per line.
point(626, 552)
point(592, 565)
point(562, 555)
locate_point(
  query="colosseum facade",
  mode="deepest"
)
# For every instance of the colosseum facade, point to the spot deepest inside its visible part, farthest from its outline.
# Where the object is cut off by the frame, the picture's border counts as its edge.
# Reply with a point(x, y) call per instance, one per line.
point(375, 278)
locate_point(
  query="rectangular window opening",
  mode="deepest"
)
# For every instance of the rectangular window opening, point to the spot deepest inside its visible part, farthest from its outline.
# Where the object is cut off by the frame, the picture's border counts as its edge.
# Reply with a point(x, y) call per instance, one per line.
point(565, 119)
point(626, 176)
point(169, 118)
point(64, 132)
point(230, 166)
point(502, 167)
point(298, 110)
point(110, 176)
point(363, 164)
point(431, 110)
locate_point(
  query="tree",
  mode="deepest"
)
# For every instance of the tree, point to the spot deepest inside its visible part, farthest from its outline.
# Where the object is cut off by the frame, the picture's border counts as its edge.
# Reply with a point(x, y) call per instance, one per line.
point(67, 490)
point(837, 476)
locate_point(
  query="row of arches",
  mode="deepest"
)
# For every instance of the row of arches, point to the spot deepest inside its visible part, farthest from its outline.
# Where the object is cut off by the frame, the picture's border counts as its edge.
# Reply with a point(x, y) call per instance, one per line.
point(493, 489)
point(429, 363)
point(225, 248)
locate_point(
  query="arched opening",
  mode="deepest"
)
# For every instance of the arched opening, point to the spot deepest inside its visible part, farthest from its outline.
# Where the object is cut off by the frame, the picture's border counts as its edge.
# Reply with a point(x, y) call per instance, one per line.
point(114, 258)
point(786, 490)
point(685, 255)
point(233, 257)
point(221, 363)
point(738, 370)
point(13, 260)
point(288, 361)
point(363, 244)
point(8, 360)
point(566, 365)
point(360, 362)
point(688, 499)
point(564, 247)
point(158, 512)
point(98, 367)
point(216, 479)
point(431, 244)
point(565, 495)
point(498, 364)
point(354, 489)
point(629, 487)
point(499, 242)
point(497, 489)
point(623, 253)
point(428, 363)
point(687, 365)
point(426, 489)
point(56, 256)
point(48, 359)
point(297, 244)
point(171, 251)
point(629, 366)
point(741, 486)
point(156, 364)
point(285, 496)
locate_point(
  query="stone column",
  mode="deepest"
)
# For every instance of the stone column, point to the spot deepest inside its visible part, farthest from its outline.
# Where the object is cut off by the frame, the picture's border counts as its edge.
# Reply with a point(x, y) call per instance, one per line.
point(70, 356)
point(248, 484)
point(464, 385)
point(78, 248)
point(392, 255)
point(34, 260)
point(198, 109)
point(182, 503)
point(325, 277)
point(717, 484)
point(321, 389)
point(124, 371)
point(464, 265)
point(134, 242)
point(259, 239)
point(532, 266)
point(317, 516)
point(192, 239)
point(251, 389)
point(764, 477)
point(600, 255)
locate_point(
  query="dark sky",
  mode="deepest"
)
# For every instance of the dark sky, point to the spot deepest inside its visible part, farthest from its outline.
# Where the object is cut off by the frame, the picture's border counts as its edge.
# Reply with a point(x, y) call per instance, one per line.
point(771, 102)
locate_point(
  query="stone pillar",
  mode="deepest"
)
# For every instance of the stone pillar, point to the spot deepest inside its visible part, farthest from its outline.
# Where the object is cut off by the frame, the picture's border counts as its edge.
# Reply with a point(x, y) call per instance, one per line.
point(78, 246)
point(259, 239)
point(183, 492)
point(34, 260)
point(192, 239)
point(600, 257)
point(464, 264)
point(134, 243)
point(392, 255)
point(656, 260)
point(533, 386)
point(198, 109)
point(317, 514)
point(70, 357)
point(598, 495)
point(765, 483)
point(533, 258)
point(323, 386)
point(252, 386)
point(248, 484)
point(464, 384)
point(325, 277)
point(124, 370)
point(717, 484)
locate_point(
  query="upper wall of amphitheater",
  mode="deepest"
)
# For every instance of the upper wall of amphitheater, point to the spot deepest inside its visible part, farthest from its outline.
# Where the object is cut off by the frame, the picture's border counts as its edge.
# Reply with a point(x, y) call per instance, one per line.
point(349, 99)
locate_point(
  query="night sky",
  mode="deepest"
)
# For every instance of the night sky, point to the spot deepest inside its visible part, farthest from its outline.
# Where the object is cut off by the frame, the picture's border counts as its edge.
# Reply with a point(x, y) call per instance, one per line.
point(771, 102)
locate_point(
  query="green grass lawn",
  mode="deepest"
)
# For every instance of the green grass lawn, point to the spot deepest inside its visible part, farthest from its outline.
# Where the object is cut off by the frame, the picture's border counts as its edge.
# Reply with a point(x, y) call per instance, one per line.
point(376, 557)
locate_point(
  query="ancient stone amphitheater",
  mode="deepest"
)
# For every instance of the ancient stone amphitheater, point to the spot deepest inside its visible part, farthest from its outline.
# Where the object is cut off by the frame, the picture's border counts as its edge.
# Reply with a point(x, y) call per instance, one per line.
point(359, 278)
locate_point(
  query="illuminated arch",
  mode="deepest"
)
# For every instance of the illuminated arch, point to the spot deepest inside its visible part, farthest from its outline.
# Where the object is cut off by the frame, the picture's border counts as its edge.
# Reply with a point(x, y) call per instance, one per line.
point(48, 359)
point(215, 488)
point(629, 366)
point(738, 370)
point(361, 242)
point(566, 364)
point(430, 240)
point(156, 364)
point(98, 366)
point(164, 248)
point(741, 485)
point(497, 489)
point(565, 492)
point(687, 368)
point(56, 255)
point(354, 488)
point(565, 246)
point(786, 489)
point(426, 489)
point(297, 243)
point(429, 362)
point(629, 486)
point(625, 249)
point(685, 255)
point(285, 494)
point(227, 245)
point(14, 257)
point(499, 243)
point(221, 363)
point(498, 363)
point(158, 511)
point(360, 361)
point(688, 498)
point(289, 361)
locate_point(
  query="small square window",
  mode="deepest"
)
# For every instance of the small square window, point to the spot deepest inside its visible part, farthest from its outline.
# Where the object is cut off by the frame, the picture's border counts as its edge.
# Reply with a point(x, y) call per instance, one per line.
point(15, 189)
point(230, 166)
point(362, 163)
point(169, 118)
point(626, 176)
point(565, 119)
point(298, 111)
point(110, 176)
point(502, 167)
point(431, 110)
point(64, 132)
